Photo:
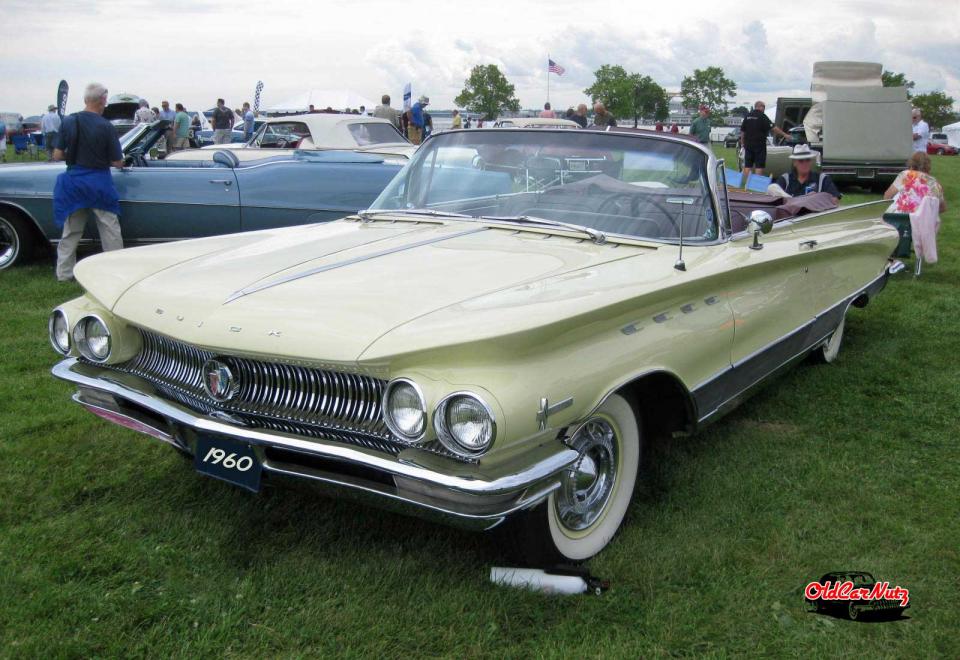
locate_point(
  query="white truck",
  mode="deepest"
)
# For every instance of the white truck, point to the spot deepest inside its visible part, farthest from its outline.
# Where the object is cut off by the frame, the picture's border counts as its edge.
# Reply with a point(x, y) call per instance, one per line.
point(861, 128)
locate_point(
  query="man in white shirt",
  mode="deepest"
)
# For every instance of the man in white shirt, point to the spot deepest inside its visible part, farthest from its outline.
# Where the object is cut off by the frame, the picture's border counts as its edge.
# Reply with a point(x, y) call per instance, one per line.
point(50, 127)
point(144, 115)
point(921, 132)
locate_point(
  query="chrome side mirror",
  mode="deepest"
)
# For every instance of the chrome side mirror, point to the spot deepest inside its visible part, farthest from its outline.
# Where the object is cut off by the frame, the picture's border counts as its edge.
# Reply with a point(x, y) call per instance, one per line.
point(760, 223)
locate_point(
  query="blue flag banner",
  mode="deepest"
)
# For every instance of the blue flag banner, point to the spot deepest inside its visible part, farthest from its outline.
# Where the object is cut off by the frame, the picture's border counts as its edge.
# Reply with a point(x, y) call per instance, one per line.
point(62, 92)
point(407, 96)
point(734, 178)
point(758, 183)
point(256, 97)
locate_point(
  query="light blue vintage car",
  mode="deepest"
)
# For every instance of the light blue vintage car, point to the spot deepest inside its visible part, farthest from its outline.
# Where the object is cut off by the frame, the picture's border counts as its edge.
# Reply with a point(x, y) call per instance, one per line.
point(168, 200)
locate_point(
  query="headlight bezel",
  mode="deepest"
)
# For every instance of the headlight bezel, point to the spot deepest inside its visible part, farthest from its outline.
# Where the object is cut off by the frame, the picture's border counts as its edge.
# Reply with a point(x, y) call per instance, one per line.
point(446, 437)
point(80, 340)
point(388, 417)
point(58, 312)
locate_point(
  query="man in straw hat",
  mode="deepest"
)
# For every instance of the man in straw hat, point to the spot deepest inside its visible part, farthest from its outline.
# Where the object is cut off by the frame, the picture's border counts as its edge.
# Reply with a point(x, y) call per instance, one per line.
point(803, 180)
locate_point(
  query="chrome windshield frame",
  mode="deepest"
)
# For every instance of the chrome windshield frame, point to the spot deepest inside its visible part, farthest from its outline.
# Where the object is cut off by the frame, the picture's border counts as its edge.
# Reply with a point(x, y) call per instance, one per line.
point(709, 172)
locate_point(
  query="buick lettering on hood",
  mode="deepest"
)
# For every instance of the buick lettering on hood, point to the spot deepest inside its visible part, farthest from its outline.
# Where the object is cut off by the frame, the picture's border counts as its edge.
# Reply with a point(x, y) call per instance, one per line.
point(491, 344)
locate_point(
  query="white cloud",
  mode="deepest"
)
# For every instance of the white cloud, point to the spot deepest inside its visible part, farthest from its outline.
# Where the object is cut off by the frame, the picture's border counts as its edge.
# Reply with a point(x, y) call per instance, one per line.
point(195, 50)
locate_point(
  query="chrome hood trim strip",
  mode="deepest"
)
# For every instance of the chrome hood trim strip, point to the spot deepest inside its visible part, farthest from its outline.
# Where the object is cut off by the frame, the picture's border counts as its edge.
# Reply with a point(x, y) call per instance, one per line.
point(347, 262)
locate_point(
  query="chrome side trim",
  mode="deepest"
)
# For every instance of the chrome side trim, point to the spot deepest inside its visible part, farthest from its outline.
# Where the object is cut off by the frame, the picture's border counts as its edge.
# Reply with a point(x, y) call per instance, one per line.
point(347, 262)
point(7, 202)
point(810, 345)
point(874, 285)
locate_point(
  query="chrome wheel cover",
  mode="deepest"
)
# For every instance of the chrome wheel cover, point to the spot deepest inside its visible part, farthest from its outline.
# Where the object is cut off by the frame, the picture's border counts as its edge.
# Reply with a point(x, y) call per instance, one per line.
point(9, 243)
point(586, 487)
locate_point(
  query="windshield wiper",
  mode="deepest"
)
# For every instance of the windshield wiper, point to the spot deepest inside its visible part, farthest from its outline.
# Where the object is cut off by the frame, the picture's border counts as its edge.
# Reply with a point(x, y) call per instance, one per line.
point(595, 235)
point(369, 214)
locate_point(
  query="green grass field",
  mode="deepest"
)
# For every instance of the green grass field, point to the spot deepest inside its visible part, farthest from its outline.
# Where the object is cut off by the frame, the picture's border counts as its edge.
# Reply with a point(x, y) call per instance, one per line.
point(110, 545)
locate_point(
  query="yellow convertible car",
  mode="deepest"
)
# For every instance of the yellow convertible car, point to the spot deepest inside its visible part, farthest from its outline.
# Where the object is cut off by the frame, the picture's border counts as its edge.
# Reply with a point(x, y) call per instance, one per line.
point(491, 343)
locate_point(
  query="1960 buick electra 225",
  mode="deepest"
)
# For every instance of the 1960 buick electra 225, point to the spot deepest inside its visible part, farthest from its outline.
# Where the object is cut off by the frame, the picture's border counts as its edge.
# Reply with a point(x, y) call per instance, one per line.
point(491, 343)
point(204, 195)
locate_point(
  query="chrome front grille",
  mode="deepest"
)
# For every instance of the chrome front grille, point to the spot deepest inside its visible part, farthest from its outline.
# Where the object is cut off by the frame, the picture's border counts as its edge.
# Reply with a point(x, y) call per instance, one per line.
point(292, 398)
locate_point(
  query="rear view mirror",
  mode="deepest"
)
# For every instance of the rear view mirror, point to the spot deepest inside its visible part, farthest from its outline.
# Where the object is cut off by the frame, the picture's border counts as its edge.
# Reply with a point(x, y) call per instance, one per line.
point(760, 223)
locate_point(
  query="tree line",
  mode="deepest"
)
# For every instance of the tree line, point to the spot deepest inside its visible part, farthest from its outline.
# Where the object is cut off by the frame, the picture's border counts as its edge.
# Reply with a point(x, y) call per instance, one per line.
point(488, 93)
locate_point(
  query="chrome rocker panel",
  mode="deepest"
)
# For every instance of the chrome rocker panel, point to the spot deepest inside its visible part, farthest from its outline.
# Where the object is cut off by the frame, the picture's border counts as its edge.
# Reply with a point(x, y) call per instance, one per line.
point(415, 482)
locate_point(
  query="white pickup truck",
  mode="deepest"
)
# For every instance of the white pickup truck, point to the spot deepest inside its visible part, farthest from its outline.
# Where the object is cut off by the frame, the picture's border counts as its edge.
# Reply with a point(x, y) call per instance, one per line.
point(861, 128)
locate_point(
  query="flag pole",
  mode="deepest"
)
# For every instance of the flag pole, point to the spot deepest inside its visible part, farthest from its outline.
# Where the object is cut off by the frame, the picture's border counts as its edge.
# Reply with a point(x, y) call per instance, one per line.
point(548, 77)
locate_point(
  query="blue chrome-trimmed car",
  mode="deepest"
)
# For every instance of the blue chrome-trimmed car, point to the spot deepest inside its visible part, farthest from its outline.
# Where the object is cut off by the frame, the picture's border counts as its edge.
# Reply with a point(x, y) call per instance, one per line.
point(168, 200)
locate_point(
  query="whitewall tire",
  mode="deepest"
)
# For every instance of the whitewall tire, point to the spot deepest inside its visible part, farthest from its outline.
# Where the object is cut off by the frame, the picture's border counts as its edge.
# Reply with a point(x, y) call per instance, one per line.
point(580, 518)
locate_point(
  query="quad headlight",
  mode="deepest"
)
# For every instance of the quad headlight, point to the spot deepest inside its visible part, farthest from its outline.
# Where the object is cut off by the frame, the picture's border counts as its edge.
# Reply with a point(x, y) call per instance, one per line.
point(405, 410)
point(59, 330)
point(465, 424)
point(92, 338)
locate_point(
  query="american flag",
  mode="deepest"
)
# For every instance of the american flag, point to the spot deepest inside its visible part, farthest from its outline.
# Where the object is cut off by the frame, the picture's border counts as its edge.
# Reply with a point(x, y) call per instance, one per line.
point(553, 67)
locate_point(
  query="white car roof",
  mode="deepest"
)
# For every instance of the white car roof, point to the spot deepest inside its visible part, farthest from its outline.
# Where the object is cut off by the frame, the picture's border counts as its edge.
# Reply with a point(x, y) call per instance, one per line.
point(332, 131)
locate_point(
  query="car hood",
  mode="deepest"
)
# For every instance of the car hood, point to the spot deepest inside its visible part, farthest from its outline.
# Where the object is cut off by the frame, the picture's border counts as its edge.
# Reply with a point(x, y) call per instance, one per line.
point(328, 292)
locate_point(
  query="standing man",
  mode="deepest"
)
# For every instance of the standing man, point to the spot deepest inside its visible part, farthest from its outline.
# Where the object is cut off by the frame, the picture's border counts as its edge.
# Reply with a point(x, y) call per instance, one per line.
point(181, 129)
point(700, 126)
point(601, 117)
point(384, 111)
point(581, 115)
point(921, 132)
point(222, 123)
point(3, 141)
point(169, 137)
point(89, 144)
point(754, 130)
point(247, 122)
point(547, 112)
point(417, 121)
point(457, 121)
point(50, 126)
point(144, 115)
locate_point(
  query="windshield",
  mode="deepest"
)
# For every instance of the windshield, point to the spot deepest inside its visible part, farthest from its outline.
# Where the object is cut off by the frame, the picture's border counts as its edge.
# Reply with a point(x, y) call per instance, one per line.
point(629, 185)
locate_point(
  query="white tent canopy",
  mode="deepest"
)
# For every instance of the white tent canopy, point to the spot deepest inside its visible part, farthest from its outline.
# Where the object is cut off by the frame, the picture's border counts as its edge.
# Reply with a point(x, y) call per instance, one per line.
point(953, 134)
point(338, 99)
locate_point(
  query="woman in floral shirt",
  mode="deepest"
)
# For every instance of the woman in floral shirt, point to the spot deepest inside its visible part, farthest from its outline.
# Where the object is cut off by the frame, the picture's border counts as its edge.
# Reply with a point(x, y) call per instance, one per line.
point(913, 184)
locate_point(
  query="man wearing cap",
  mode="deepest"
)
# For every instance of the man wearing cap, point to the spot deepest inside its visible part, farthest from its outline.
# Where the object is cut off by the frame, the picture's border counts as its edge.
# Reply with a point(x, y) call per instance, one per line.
point(754, 130)
point(50, 127)
point(417, 120)
point(803, 180)
point(700, 126)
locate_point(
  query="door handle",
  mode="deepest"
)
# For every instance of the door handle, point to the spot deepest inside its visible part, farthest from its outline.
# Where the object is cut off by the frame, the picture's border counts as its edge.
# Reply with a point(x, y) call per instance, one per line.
point(226, 182)
point(810, 244)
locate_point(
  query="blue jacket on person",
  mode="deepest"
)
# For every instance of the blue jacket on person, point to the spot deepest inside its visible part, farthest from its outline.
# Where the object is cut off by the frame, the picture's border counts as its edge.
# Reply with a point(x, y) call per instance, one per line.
point(416, 115)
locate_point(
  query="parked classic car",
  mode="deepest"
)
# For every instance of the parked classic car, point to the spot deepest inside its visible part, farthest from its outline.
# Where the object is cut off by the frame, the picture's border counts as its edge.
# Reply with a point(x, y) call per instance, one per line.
point(854, 609)
point(320, 131)
point(167, 200)
point(493, 341)
point(120, 111)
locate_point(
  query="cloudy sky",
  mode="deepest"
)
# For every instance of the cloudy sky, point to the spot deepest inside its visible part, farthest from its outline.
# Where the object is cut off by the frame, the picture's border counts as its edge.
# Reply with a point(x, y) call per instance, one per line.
point(193, 51)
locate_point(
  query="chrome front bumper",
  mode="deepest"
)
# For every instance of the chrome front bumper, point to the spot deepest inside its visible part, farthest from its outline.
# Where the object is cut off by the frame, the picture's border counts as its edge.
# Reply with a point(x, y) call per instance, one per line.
point(416, 482)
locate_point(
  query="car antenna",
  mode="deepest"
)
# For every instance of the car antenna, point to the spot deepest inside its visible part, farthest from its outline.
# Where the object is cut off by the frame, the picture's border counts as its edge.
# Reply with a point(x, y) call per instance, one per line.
point(682, 201)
